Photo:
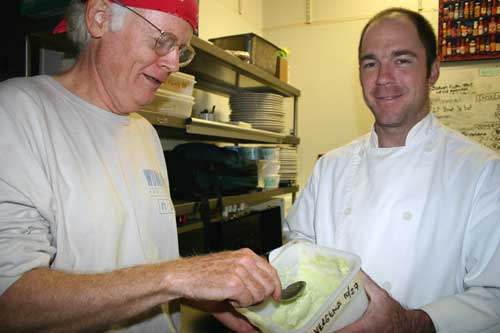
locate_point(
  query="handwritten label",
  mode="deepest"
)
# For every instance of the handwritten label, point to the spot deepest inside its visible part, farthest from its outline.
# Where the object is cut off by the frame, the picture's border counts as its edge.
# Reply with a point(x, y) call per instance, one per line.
point(336, 308)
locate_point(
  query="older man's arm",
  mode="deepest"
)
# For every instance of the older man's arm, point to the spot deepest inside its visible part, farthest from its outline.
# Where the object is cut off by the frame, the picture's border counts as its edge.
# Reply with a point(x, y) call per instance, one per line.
point(53, 301)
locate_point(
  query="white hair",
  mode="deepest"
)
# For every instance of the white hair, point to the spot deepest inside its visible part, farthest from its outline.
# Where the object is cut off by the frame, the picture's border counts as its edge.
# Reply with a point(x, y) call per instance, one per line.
point(77, 30)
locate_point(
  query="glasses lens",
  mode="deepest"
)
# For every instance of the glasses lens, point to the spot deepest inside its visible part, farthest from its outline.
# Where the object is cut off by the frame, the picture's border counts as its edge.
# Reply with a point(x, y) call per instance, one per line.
point(165, 44)
point(186, 55)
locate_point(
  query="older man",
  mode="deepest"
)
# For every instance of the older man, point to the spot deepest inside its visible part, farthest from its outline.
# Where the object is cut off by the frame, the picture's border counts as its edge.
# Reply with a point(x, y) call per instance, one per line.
point(88, 237)
point(417, 201)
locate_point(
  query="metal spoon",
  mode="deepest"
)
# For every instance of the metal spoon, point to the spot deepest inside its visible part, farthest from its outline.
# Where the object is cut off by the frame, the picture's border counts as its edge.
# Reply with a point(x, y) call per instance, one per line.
point(292, 291)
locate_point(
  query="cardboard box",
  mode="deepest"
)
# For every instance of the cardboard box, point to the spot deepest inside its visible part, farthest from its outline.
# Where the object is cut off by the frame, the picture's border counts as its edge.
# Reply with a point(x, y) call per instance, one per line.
point(282, 69)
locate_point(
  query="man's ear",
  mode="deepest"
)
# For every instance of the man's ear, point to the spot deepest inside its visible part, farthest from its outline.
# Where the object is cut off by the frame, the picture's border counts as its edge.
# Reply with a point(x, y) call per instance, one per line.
point(434, 74)
point(98, 17)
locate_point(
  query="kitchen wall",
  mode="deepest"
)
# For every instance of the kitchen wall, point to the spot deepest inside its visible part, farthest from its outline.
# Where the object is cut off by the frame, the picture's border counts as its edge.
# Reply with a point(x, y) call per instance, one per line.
point(230, 17)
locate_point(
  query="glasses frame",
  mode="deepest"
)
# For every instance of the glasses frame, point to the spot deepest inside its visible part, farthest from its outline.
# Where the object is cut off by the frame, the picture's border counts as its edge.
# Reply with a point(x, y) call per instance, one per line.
point(165, 38)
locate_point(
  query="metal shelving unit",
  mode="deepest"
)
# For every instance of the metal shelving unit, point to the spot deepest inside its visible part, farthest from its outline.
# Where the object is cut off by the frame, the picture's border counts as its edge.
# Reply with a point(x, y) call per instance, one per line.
point(219, 72)
point(188, 207)
point(194, 128)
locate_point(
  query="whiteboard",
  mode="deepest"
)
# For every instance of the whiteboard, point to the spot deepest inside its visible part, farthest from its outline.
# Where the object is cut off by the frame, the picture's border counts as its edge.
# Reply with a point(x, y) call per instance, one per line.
point(468, 99)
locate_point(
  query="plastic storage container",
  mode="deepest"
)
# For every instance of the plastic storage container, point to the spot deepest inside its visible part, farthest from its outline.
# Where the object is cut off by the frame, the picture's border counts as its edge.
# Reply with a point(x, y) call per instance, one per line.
point(272, 181)
point(262, 52)
point(268, 167)
point(172, 103)
point(270, 153)
point(180, 83)
point(340, 308)
point(251, 153)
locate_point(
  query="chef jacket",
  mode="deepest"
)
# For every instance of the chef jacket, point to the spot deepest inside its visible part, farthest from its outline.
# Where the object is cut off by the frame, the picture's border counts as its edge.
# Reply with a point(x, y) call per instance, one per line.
point(82, 189)
point(424, 218)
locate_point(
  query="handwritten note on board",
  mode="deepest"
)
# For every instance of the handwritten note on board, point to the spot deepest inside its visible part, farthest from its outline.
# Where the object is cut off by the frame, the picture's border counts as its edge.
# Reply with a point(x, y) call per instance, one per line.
point(468, 100)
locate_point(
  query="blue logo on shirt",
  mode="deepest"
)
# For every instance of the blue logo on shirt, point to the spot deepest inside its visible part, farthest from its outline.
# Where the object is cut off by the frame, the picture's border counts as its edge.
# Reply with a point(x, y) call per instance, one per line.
point(153, 178)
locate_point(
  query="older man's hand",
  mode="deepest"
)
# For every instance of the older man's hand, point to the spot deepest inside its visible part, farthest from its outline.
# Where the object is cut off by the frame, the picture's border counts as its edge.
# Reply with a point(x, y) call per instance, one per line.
point(241, 276)
point(384, 314)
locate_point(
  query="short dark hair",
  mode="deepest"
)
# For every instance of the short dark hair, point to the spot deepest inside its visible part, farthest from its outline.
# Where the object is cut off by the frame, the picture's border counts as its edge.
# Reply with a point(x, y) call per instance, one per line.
point(424, 30)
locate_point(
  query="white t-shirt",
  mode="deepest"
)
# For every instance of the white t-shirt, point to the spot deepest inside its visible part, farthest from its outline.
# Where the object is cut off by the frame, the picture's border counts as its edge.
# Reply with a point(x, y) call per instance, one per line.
point(424, 218)
point(81, 189)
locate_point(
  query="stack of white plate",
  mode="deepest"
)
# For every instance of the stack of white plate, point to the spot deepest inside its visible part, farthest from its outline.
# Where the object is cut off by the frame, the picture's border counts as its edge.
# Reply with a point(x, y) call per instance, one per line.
point(263, 110)
point(288, 165)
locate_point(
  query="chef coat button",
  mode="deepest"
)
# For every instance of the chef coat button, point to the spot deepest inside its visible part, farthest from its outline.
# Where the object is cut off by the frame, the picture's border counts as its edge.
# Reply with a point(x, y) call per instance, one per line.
point(347, 211)
point(387, 286)
point(361, 153)
point(407, 216)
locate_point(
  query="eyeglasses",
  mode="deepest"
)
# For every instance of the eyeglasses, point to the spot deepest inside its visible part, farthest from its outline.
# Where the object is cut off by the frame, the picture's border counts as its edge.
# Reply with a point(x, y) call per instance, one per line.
point(166, 42)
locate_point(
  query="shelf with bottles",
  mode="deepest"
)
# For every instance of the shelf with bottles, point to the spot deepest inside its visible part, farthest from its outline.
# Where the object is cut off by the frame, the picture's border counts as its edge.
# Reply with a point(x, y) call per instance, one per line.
point(469, 29)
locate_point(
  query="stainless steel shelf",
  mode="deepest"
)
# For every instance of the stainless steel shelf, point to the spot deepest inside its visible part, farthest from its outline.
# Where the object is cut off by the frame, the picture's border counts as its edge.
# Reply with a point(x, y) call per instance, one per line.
point(220, 72)
point(212, 130)
point(227, 131)
point(182, 208)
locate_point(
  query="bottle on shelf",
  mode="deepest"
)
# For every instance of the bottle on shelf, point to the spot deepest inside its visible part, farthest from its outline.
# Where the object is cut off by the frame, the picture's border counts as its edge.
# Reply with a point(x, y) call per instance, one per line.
point(472, 46)
point(477, 9)
point(483, 7)
point(492, 27)
point(493, 44)
point(463, 30)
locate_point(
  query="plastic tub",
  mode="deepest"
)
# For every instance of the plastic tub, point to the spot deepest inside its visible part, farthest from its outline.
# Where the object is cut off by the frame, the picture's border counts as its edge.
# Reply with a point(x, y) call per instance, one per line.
point(271, 181)
point(251, 153)
point(180, 83)
point(270, 153)
point(318, 310)
point(173, 104)
point(268, 167)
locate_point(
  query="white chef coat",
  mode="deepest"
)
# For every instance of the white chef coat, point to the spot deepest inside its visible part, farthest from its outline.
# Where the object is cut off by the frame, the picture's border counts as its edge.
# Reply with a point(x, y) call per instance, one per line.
point(424, 218)
point(81, 189)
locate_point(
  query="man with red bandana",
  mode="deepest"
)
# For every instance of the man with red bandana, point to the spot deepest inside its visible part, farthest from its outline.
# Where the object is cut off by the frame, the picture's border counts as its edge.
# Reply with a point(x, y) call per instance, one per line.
point(418, 202)
point(88, 237)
